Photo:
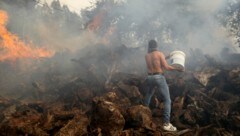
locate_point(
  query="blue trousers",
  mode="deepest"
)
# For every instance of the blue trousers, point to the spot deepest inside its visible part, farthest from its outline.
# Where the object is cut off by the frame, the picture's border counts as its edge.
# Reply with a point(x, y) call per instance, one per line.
point(159, 81)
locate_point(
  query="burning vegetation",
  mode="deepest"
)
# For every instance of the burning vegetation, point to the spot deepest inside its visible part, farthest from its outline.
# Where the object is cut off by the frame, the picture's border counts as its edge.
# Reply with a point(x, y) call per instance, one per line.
point(93, 80)
point(13, 48)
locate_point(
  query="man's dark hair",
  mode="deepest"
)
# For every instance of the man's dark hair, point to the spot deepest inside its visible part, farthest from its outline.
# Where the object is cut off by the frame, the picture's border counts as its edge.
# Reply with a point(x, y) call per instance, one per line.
point(152, 46)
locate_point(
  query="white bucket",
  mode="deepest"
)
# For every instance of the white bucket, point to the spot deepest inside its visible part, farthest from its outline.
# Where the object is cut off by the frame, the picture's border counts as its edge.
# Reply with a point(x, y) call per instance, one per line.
point(177, 59)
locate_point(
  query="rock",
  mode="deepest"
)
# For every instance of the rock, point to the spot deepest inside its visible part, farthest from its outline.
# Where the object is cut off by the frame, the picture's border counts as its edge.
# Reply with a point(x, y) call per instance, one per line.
point(205, 74)
point(118, 99)
point(75, 127)
point(140, 116)
point(106, 116)
point(84, 94)
point(23, 121)
point(131, 92)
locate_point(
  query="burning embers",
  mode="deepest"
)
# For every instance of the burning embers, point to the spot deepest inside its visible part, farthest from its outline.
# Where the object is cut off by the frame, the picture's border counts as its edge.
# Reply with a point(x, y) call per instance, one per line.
point(12, 48)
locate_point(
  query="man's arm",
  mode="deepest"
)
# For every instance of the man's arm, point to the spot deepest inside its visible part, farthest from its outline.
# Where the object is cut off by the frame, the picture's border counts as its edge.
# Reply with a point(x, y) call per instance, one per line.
point(164, 62)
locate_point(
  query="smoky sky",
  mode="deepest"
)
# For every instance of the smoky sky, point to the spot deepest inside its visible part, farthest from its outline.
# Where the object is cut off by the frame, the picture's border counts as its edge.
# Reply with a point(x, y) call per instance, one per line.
point(75, 5)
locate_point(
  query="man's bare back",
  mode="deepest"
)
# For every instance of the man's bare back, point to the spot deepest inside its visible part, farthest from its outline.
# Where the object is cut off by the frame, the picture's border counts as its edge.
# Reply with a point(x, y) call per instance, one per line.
point(156, 62)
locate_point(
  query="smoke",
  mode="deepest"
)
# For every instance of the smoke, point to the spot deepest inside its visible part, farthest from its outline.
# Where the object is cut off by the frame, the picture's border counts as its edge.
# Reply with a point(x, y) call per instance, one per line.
point(180, 24)
point(209, 7)
point(192, 24)
point(176, 25)
point(123, 33)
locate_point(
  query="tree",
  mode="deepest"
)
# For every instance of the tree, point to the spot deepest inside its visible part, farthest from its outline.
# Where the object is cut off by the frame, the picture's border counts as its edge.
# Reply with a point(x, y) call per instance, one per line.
point(230, 18)
point(175, 24)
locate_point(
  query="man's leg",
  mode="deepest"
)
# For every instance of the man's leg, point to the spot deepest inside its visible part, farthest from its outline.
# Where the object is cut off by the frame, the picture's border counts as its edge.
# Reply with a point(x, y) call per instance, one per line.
point(164, 90)
point(150, 91)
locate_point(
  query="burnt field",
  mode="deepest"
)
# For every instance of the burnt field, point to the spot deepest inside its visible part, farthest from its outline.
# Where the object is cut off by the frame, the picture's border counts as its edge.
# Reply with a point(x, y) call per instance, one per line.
point(205, 100)
point(82, 72)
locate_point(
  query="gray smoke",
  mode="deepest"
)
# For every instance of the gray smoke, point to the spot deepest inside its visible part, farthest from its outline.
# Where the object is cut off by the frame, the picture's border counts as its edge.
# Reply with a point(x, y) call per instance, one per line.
point(175, 24)
point(192, 24)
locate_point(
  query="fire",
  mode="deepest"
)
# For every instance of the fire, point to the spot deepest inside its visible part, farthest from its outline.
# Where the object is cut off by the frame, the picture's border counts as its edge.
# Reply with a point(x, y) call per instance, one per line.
point(97, 21)
point(12, 48)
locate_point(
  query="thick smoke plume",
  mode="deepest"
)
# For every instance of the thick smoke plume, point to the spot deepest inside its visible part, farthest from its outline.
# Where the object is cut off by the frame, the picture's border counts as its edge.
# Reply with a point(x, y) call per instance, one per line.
point(187, 24)
point(109, 30)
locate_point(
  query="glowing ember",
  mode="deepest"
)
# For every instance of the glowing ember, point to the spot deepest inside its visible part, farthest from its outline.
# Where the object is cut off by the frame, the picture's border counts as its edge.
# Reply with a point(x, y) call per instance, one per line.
point(12, 48)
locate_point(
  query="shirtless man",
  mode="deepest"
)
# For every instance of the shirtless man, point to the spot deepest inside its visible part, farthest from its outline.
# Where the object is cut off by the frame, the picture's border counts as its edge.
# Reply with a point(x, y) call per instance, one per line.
point(156, 64)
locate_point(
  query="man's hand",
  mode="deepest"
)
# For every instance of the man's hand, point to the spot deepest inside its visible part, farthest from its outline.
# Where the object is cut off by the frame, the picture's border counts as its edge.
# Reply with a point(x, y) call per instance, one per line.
point(180, 69)
point(168, 57)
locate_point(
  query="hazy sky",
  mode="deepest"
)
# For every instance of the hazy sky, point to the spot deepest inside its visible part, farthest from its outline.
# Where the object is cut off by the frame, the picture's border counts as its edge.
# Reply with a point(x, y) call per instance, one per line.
point(75, 5)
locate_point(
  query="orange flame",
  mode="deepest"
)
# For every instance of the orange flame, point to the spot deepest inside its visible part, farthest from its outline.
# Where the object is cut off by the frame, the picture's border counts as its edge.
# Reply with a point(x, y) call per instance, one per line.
point(97, 21)
point(12, 48)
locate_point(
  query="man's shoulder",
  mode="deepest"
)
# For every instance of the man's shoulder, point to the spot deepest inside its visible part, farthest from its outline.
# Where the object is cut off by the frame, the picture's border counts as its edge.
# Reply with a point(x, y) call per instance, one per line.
point(159, 52)
point(155, 53)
